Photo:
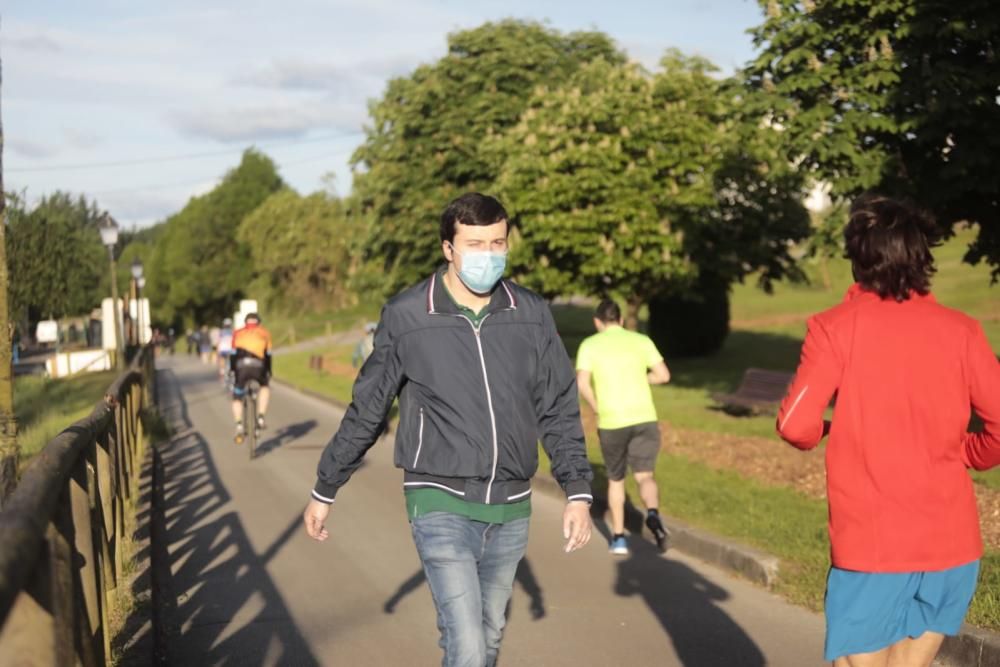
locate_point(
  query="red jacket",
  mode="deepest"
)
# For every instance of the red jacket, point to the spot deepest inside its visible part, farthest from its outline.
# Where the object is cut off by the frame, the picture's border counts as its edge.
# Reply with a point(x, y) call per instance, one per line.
point(906, 376)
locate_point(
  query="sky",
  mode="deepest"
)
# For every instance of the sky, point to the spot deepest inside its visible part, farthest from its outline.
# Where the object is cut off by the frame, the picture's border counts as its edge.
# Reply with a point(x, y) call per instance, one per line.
point(141, 105)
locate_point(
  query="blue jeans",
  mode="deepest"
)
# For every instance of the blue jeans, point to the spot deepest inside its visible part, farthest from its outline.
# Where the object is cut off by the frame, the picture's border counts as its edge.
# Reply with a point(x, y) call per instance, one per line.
point(470, 569)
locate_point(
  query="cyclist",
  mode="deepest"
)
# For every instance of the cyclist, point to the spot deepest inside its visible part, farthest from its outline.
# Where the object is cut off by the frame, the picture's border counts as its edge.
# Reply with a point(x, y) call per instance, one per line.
point(250, 360)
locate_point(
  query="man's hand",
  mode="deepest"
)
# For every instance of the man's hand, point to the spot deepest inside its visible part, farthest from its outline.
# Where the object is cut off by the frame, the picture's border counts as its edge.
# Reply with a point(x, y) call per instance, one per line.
point(314, 517)
point(576, 525)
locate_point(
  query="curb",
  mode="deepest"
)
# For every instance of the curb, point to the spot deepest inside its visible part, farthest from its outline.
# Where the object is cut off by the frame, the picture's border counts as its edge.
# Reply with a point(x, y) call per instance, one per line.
point(972, 647)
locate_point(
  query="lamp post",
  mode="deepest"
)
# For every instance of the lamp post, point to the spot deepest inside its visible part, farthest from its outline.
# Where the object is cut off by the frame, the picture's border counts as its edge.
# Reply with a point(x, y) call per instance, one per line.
point(109, 237)
point(140, 282)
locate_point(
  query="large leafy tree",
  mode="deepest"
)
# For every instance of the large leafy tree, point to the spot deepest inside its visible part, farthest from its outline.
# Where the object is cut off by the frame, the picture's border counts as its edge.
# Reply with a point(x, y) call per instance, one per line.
point(199, 268)
point(57, 265)
point(645, 186)
point(300, 248)
point(424, 144)
point(898, 95)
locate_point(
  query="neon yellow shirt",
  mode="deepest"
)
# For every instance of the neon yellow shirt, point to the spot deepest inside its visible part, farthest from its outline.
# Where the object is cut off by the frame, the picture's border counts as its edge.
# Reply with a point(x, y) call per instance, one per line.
point(618, 361)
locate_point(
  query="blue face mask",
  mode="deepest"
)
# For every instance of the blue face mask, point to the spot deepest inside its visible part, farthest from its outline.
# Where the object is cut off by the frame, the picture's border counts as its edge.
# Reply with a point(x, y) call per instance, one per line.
point(481, 270)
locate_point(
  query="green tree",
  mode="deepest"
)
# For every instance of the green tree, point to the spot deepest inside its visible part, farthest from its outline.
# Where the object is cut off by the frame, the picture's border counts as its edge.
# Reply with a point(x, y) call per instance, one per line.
point(896, 95)
point(199, 269)
point(300, 248)
point(642, 185)
point(57, 264)
point(424, 144)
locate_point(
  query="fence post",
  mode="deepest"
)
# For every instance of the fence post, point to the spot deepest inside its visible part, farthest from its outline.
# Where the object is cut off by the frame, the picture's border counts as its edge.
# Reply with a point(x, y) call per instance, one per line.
point(62, 596)
point(88, 572)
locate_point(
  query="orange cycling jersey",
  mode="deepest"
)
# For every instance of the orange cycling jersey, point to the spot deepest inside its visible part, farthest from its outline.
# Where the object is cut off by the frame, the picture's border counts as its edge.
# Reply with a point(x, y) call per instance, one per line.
point(254, 339)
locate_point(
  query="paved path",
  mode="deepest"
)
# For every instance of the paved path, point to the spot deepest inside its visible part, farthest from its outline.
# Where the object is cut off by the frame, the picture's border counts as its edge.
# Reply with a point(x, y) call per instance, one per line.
point(247, 587)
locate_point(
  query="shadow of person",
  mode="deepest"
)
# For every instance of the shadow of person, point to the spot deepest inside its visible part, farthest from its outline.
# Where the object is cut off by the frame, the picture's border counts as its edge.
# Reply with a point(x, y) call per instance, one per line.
point(285, 435)
point(524, 576)
point(684, 602)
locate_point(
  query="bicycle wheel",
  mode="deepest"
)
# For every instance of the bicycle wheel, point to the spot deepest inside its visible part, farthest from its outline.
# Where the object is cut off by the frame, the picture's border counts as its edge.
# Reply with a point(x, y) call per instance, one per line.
point(250, 418)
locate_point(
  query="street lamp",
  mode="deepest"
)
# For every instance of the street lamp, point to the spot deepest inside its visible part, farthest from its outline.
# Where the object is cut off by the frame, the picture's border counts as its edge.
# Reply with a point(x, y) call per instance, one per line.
point(140, 282)
point(109, 237)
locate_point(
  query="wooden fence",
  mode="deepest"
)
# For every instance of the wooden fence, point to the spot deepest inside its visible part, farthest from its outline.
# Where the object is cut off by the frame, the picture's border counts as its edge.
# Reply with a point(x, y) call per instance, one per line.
point(62, 528)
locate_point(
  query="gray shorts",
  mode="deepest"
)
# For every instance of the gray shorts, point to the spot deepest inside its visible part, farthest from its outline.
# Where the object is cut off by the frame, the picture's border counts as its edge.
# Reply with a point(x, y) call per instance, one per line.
point(636, 445)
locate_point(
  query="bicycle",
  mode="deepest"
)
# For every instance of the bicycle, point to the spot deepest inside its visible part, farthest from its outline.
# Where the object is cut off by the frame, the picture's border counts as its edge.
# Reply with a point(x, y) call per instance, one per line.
point(252, 432)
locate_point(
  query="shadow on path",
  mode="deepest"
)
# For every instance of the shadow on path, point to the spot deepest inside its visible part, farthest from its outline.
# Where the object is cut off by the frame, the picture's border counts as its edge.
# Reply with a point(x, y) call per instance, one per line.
point(217, 600)
point(682, 600)
point(285, 435)
point(524, 576)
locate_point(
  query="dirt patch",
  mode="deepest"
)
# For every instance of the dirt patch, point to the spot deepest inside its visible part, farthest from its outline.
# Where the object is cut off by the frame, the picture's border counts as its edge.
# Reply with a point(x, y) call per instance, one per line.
point(332, 365)
point(771, 461)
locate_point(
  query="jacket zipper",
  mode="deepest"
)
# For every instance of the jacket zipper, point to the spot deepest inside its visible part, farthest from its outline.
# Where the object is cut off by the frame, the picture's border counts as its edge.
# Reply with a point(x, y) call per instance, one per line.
point(420, 438)
point(489, 402)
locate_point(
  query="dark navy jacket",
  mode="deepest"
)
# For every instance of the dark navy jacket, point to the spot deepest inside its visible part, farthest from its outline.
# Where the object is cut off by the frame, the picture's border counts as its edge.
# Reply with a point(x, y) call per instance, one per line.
point(473, 402)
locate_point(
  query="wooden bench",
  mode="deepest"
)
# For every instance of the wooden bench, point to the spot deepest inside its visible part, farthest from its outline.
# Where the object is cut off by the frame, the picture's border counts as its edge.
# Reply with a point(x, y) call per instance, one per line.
point(759, 392)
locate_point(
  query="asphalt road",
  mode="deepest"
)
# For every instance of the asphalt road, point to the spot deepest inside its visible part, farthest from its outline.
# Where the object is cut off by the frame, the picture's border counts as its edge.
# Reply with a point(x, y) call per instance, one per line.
point(246, 586)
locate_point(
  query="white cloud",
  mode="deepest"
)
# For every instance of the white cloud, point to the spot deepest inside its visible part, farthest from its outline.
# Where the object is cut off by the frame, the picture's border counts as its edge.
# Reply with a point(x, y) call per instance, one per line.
point(37, 42)
point(81, 138)
point(357, 78)
point(278, 121)
point(292, 75)
point(32, 150)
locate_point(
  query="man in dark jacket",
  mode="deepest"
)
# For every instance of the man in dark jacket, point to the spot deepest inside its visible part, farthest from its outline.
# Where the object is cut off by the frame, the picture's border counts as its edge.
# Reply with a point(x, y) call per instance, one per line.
point(481, 376)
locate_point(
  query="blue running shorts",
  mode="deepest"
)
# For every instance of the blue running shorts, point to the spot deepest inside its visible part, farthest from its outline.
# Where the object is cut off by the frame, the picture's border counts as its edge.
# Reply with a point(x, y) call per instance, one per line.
point(868, 611)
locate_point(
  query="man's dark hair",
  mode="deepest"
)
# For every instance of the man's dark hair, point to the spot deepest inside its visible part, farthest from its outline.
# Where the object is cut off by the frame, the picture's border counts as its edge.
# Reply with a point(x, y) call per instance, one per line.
point(471, 208)
point(251, 316)
point(889, 244)
point(608, 312)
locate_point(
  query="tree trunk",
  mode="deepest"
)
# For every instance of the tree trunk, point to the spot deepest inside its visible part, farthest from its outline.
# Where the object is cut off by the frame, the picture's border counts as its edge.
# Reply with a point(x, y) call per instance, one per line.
point(632, 306)
point(9, 452)
point(824, 269)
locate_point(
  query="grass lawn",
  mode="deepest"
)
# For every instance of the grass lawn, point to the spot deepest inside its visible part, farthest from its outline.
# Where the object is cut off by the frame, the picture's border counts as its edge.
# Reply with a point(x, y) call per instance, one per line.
point(288, 328)
point(44, 407)
point(294, 369)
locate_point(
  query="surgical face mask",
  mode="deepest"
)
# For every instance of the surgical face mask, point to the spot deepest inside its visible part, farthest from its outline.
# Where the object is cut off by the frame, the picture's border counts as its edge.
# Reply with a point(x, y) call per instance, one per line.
point(481, 270)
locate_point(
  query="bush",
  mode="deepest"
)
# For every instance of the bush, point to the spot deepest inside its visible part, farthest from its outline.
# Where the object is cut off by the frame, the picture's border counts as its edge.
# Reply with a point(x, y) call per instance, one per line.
point(691, 325)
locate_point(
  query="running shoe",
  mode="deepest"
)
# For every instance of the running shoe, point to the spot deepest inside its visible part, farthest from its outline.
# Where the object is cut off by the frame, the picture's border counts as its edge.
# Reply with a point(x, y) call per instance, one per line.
point(619, 546)
point(660, 533)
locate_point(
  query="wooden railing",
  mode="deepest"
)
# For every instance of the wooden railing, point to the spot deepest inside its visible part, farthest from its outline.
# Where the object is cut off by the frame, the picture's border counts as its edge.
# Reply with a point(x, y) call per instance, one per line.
point(61, 532)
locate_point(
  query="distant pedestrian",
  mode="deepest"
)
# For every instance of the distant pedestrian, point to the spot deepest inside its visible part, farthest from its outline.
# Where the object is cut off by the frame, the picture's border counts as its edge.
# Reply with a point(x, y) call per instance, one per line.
point(906, 372)
point(204, 345)
point(213, 336)
point(365, 346)
point(481, 376)
point(622, 365)
point(224, 347)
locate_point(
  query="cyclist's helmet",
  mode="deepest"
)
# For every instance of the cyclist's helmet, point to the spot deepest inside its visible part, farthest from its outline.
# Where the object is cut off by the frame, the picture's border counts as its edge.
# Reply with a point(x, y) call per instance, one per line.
point(228, 322)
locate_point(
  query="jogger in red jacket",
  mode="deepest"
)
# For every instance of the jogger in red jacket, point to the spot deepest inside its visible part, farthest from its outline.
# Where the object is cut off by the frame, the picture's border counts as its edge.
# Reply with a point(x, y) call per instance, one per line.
point(906, 372)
